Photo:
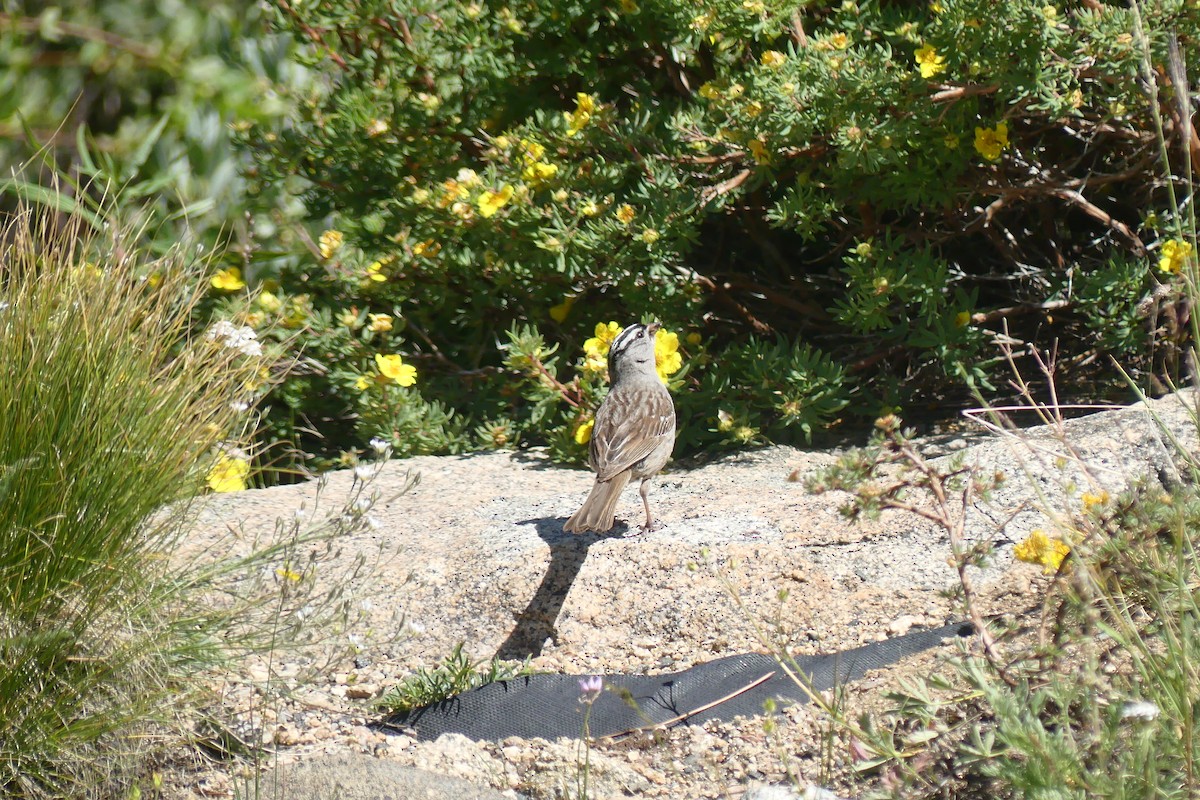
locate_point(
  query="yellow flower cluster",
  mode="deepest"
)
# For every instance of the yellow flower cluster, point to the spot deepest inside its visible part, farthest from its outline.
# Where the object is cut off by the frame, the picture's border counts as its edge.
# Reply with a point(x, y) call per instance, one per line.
point(1175, 253)
point(1038, 548)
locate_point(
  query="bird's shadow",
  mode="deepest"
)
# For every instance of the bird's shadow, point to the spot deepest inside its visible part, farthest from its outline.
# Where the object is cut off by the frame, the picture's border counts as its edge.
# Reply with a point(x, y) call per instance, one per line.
point(536, 624)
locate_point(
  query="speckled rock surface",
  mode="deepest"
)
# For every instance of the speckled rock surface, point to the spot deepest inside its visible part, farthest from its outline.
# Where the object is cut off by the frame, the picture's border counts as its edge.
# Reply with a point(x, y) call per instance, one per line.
point(475, 553)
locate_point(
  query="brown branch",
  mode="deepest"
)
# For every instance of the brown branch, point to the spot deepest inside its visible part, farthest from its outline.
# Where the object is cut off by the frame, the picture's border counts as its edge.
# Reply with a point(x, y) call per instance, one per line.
point(959, 92)
point(798, 35)
point(984, 317)
point(710, 193)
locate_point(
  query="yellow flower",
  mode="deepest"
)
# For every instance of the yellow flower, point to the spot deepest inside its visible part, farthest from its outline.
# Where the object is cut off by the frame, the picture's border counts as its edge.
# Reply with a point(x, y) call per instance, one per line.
point(754, 108)
point(772, 59)
point(583, 434)
point(375, 273)
point(376, 127)
point(1041, 549)
point(990, 142)
point(1175, 254)
point(596, 348)
point(288, 574)
point(1091, 499)
point(228, 474)
point(581, 117)
point(840, 40)
point(962, 319)
point(330, 242)
point(154, 280)
point(950, 141)
point(758, 149)
point(349, 318)
point(393, 368)
point(490, 202)
point(929, 61)
point(531, 150)
point(559, 312)
point(649, 235)
point(539, 172)
point(710, 91)
point(363, 383)
point(428, 248)
point(380, 323)
point(625, 213)
point(269, 302)
point(629, 6)
point(589, 208)
point(420, 196)
point(228, 280)
point(430, 102)
point(667, 359)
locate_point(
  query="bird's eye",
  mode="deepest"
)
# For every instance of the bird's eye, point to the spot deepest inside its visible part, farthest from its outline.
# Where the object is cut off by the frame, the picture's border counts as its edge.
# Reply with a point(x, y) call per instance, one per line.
point(641, 334)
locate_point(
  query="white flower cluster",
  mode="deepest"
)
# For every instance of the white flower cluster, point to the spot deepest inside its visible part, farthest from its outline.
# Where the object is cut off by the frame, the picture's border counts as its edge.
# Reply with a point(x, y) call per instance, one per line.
point(243, 339)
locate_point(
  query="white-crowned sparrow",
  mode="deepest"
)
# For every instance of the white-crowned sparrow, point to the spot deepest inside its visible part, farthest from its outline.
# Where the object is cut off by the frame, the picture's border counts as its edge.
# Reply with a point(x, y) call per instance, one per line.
point(634, 431)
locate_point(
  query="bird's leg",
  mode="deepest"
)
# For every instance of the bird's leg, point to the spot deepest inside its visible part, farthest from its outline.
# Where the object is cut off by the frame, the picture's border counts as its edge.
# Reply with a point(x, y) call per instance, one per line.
point(651, 523)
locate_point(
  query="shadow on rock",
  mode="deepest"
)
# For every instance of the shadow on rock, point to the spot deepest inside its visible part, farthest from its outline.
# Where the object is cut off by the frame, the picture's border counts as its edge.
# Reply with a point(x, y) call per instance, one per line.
point(567, 552)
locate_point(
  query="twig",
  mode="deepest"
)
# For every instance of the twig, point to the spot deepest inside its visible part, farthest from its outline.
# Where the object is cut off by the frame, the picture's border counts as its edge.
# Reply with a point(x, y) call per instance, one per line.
point(695, 711)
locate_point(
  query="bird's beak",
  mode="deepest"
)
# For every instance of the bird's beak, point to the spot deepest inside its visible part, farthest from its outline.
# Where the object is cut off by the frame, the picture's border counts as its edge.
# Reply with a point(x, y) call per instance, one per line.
point(653, 326)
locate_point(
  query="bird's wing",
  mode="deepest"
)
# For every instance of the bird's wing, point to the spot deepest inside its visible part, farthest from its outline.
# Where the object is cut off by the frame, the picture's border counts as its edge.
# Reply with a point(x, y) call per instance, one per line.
point(629, 425)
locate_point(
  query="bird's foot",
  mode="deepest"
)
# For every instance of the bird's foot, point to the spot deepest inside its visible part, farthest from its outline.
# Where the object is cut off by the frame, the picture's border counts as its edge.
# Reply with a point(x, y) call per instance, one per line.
point(653, 525)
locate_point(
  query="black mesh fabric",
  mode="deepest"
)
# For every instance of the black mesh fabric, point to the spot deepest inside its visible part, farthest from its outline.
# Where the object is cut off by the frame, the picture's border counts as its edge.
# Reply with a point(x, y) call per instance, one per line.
point(547, 706)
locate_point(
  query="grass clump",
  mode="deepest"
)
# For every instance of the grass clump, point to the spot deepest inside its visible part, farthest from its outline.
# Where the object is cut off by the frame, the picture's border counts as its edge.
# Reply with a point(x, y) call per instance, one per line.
point(112, 414)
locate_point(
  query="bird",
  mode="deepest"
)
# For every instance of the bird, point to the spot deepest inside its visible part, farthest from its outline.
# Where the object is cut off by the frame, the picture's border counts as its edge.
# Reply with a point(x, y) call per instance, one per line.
point(634, 432)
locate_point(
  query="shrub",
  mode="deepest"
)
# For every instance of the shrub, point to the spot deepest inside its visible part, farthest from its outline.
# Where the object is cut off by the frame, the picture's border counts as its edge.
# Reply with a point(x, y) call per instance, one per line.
point(889, 185)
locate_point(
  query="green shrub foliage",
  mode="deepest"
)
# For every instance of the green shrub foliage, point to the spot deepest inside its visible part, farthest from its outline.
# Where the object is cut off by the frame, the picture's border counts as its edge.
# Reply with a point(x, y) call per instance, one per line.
point(837, 208)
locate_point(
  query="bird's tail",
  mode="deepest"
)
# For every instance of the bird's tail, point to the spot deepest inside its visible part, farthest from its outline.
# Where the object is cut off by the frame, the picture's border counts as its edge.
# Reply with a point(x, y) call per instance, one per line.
point(597, 512)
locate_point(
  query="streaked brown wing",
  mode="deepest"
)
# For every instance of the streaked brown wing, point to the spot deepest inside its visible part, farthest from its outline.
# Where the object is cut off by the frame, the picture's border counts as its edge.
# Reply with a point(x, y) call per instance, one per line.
point(629, 425)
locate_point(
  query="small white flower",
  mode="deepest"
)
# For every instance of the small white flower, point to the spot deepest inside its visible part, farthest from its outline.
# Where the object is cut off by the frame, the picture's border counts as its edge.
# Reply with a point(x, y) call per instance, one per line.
point(379, 445)
point(243, 339)
point(240, 406)
point(372, 523)
point(299, 516)
point(414, 627)
point(251, 347)
point(365, 472)
point(356, 641)
point(364, 504)
point(304, 613)
point(365, 605)
point(1140, 709)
